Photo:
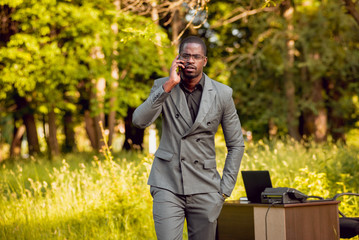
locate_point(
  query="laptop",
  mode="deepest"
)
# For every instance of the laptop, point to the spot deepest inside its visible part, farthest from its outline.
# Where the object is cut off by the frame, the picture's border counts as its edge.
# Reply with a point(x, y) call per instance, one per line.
point(254, 183)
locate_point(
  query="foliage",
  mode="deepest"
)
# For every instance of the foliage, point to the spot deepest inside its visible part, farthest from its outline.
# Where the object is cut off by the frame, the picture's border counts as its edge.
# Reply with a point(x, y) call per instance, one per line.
point(253, 50)
point(139, 58)
point(86, 197)
point(60, 43)
point(58, 49)
point(53, 51)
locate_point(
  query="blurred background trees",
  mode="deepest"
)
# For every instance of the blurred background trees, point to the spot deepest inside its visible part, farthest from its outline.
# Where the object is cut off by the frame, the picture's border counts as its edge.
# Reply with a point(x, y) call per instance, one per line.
point(294, 66)
point(66, 65)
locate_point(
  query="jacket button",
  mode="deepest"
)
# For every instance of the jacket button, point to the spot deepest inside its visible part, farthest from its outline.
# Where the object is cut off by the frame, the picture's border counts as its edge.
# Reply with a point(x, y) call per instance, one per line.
point(198, 139)
point(196, 161)
point(208, 123)
point(182, 159)
point(177, 115)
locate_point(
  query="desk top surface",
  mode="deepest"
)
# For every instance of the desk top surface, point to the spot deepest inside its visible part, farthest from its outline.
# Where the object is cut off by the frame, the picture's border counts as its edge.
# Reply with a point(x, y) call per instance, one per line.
point(241, 203)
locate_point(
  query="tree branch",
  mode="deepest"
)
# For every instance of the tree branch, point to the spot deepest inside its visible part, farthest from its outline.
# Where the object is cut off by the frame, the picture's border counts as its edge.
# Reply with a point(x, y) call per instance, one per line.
point(350, 6)
point(242, 15)
point(167, 8)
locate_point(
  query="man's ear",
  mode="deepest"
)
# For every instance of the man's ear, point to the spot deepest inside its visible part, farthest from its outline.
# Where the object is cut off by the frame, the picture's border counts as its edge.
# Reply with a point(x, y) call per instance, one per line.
point(205, 62)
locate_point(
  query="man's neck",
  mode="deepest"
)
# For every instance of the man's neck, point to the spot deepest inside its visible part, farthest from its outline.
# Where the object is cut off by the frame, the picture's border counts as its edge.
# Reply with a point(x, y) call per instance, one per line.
point(190, 84)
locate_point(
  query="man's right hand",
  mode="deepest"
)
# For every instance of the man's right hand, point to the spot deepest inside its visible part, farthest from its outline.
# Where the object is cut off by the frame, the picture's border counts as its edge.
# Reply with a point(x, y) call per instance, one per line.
point(175, 74)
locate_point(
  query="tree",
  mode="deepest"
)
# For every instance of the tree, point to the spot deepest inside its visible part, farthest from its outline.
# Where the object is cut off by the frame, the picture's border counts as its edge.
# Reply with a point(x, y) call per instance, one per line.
point(39, 60)
point(316, 50)
point(60, 59)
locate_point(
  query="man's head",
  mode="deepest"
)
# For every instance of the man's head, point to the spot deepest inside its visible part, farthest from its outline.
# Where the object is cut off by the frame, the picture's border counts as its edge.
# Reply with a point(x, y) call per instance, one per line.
point(193, 52)
point(193, 39)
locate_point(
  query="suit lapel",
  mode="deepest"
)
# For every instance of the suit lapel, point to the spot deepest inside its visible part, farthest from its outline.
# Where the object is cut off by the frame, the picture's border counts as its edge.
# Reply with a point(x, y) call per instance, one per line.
point(208, 96)
point(179, 100)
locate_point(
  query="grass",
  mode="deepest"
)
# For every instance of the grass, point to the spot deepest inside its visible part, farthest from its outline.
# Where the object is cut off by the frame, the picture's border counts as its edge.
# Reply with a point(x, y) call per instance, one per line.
point(105, 196)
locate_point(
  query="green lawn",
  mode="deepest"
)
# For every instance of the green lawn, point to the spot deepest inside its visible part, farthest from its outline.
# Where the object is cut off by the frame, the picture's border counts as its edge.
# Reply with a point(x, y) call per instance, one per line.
point(82, 196)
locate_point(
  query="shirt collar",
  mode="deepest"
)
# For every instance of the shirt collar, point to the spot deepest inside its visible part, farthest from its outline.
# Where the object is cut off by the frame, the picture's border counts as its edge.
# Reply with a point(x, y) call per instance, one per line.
point(199, 85)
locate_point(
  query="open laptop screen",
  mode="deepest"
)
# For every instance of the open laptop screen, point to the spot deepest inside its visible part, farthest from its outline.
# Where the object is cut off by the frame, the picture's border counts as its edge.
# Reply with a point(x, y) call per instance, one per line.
point(254, 183)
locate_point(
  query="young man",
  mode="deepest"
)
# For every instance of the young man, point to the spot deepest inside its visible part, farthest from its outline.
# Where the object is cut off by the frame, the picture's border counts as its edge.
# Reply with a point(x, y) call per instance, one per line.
point(185, 183)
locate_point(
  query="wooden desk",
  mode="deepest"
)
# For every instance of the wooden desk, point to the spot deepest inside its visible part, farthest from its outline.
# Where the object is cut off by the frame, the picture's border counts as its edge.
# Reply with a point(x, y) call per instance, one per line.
point(316, 220)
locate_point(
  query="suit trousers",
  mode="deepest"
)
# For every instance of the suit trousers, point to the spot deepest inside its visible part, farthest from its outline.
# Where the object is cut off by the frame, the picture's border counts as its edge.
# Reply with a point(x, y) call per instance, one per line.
point(200, 211)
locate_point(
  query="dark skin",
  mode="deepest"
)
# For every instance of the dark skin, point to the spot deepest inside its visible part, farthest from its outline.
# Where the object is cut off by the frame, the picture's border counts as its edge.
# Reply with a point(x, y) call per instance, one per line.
point(191, 70)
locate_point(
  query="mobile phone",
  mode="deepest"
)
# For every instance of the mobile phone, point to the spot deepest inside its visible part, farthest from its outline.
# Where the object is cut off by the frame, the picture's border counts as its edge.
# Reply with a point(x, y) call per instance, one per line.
point(179, 69)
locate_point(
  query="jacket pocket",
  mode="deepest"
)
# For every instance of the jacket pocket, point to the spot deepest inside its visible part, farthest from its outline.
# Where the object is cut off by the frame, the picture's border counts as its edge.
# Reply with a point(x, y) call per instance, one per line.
point(208, 164)
point(164, 155)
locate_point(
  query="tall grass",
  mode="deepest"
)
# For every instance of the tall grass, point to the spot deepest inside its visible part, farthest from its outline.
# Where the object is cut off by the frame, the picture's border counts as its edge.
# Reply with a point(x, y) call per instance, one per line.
point(98, 199)
point(83, 196)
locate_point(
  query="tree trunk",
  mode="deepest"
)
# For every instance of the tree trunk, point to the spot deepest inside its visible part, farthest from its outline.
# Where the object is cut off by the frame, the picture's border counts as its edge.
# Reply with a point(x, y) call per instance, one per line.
point(321, 127)
point(313, 122)
point(99, 137)
point(70, 143)
point(114, 84)
point(320, 118)
point(176, 24)
point(292, 109)
point(90, 129)
point(289, 86)
point(112, 114)
point(335, 117)
point(9, 27)
point(29, 122)
point(272, 128)
point(31, 133)
point(155, 18)
point(111, 127)
point(45, 128)
point(93, 101)
point(15, 149)
point(53, 143)
point(99, 108)
point(133, 135)
point(89, 103)
point(337, 130)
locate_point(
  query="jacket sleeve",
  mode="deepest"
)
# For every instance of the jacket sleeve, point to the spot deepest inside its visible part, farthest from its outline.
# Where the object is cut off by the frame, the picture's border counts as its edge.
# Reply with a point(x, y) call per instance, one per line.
point(149, 110)
point(233, 136)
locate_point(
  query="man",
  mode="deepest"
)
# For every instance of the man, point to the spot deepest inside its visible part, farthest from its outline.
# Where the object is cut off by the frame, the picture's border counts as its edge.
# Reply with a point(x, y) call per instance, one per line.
point(185, 183)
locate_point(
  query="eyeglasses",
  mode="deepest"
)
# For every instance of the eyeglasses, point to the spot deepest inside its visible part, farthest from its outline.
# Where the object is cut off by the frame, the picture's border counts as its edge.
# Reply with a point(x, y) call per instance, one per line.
point(186, 56)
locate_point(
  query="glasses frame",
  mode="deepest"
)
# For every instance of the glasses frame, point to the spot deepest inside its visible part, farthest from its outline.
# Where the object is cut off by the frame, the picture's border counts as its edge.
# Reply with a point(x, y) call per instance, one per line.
point(187, 56)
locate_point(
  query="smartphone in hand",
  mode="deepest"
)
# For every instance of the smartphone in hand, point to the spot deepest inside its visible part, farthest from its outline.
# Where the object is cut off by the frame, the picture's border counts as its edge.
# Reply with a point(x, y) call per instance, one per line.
point(179, 68)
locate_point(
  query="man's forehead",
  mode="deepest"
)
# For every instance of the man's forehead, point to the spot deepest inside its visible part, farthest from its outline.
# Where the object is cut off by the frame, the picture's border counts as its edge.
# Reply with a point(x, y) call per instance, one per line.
point(193, 46)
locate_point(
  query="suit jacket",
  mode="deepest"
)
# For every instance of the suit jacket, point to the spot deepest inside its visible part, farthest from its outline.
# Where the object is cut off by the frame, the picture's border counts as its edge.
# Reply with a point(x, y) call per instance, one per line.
point(185, 161)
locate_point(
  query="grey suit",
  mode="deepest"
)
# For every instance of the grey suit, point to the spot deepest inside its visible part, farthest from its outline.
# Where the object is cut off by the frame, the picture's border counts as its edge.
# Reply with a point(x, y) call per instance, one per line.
point(185, 162)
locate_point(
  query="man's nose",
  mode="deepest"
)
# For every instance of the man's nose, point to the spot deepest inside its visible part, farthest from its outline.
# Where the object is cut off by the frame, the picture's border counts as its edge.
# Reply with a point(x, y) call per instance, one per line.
point(191, 59)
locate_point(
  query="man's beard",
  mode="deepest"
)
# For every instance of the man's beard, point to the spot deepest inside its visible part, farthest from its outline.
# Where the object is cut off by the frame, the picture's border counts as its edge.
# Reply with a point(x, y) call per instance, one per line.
point(192, 75)
point(186, 76)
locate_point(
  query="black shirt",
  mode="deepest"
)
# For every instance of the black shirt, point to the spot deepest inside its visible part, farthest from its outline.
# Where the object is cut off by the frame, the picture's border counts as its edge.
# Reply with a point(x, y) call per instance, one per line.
point(193, 98)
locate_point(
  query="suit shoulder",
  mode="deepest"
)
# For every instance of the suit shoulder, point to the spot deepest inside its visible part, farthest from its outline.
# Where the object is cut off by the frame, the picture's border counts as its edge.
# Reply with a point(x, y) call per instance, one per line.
point(222, 88)
point(161, 80)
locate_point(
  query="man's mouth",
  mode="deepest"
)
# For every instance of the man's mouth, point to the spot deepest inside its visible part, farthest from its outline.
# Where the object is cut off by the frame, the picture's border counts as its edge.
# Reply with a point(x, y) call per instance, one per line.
point(190, 67)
